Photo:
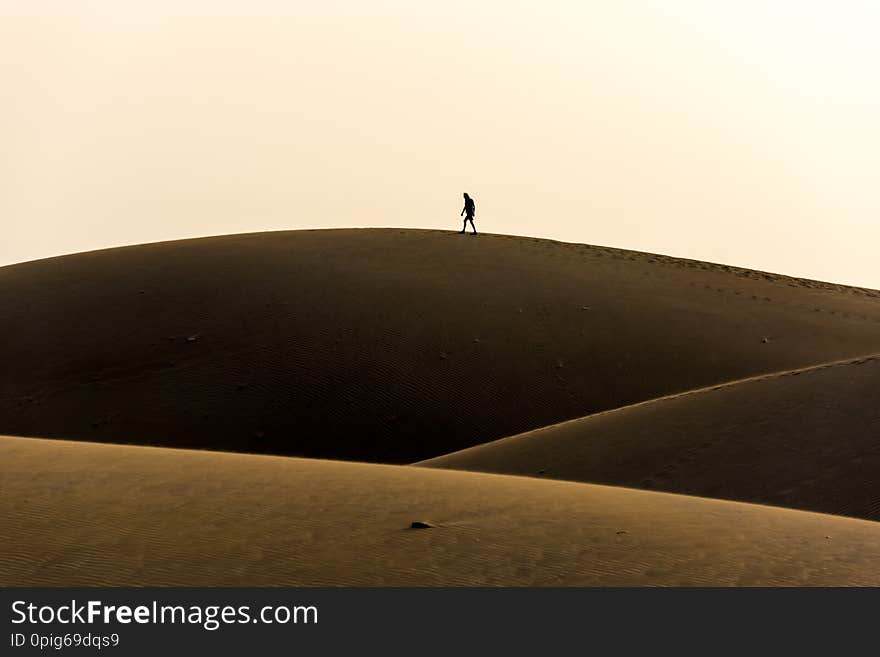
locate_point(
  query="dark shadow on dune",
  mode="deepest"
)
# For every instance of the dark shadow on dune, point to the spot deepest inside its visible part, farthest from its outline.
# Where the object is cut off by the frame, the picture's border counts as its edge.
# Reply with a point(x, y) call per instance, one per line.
point(385, 345)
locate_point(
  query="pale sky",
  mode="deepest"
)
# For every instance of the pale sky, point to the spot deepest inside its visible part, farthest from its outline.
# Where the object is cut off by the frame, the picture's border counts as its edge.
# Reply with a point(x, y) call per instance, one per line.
point(736, 131)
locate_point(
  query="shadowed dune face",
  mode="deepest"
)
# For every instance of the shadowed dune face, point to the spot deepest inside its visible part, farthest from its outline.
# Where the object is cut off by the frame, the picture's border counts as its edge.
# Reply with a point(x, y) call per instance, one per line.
point(386, 345)
point(126, 515)
point(807, 439)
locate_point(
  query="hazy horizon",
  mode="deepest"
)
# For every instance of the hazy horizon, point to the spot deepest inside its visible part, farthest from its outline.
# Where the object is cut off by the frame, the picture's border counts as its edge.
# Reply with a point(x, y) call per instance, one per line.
point(736, 132)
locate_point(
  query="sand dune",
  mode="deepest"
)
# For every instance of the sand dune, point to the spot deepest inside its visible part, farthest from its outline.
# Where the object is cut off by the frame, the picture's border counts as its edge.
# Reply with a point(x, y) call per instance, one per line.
point(807, 439)
point(387, 345)
point(398, 345)
point(91, 514)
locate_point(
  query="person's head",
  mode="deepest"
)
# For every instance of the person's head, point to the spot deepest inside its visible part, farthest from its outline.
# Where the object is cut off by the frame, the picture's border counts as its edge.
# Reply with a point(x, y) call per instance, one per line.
point(466, 195)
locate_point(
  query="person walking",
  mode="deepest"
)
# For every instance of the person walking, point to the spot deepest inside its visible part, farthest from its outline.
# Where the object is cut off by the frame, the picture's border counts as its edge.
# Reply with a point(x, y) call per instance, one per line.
point(470, 209)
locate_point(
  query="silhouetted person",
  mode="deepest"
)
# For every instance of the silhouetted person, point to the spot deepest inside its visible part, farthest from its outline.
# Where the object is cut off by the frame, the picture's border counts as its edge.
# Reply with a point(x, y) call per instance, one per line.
point(471, 210)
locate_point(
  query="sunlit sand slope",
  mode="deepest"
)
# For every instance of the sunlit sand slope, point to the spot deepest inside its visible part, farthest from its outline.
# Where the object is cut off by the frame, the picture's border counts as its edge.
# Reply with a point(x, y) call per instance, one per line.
point(90, 514)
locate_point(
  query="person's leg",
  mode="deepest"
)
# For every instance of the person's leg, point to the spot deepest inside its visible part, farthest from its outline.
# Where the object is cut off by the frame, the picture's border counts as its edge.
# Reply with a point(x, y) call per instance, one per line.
point(471, 219)
point(463, 227)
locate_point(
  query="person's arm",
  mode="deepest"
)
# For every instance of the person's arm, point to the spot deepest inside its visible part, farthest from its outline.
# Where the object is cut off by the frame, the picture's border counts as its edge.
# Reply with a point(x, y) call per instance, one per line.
point(462, 210)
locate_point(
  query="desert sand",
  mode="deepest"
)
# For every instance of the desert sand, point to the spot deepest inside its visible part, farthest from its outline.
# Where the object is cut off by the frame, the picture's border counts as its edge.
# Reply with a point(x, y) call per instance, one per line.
point(387, 345)
point(422, 374)
point(128, 515)
point(805, 439)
